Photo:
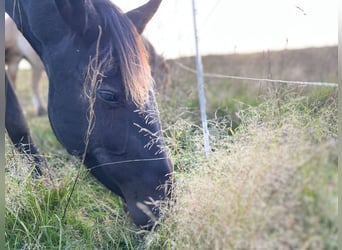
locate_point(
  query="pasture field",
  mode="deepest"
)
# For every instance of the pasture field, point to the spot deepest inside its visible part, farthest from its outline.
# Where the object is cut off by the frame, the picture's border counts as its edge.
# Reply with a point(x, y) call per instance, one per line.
point(270, 181)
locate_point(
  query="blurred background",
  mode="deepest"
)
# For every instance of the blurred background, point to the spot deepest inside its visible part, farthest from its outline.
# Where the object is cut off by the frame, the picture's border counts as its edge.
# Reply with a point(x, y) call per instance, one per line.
point(240, 26)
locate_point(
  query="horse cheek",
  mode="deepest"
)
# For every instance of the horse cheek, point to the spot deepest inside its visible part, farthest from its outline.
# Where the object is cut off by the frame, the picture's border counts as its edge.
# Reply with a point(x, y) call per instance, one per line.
point(112, 135)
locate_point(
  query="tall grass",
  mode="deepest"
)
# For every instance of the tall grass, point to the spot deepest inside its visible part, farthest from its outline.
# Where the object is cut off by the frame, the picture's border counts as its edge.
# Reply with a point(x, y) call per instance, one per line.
point(95, 218)
point(273, 185)
point(270, 181)
point(270, 185)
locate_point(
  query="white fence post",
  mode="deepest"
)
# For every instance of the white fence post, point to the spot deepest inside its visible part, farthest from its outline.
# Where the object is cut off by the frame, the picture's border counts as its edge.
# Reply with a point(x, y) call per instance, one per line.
point(200, 86)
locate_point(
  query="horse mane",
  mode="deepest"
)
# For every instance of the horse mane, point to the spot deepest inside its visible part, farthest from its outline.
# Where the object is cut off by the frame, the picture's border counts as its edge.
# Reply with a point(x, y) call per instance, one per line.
point(128, 45)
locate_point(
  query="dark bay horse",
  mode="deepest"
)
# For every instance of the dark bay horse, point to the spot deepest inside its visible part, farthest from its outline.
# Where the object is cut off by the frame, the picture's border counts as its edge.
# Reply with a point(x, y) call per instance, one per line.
point(101, 104)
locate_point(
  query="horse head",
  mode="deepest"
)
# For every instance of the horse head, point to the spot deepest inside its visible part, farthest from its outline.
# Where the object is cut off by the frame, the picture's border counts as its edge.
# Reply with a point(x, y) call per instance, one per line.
point(101, 104)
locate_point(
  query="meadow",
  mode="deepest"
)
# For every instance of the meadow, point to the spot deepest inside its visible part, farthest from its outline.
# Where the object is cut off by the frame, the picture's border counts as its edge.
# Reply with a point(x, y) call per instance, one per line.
point(270, 181)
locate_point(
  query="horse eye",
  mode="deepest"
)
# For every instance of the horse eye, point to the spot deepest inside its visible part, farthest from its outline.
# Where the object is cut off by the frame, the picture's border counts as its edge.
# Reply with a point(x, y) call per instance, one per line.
point(109, 97)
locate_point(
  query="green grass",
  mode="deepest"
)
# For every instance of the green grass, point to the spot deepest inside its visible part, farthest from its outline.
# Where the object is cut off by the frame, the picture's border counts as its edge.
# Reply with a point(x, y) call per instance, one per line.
point(273, 185)
point(270, 182)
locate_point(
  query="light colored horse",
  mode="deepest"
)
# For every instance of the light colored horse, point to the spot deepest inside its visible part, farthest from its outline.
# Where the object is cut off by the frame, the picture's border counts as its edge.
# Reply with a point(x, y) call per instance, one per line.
point(17, 48)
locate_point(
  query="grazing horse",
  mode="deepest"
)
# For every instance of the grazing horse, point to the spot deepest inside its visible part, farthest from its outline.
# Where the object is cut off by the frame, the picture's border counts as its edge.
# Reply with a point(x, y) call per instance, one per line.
point(17, 48)
point(101, 104)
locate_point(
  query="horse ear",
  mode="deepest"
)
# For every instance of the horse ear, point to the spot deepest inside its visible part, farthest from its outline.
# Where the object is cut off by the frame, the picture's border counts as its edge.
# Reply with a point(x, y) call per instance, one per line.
point(143, 14)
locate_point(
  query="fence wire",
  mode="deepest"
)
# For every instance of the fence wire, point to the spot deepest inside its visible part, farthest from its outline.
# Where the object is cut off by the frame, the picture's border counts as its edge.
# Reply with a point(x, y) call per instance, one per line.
point(221, 76)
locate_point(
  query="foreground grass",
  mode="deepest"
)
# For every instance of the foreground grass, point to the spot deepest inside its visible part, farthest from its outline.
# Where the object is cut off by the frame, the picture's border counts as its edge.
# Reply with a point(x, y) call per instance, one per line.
point(273, 185)
point(269, 184)
point(34, 218)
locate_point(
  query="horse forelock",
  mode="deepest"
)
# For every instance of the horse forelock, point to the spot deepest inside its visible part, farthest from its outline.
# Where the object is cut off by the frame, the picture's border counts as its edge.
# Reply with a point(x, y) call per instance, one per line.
point(120, 35)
